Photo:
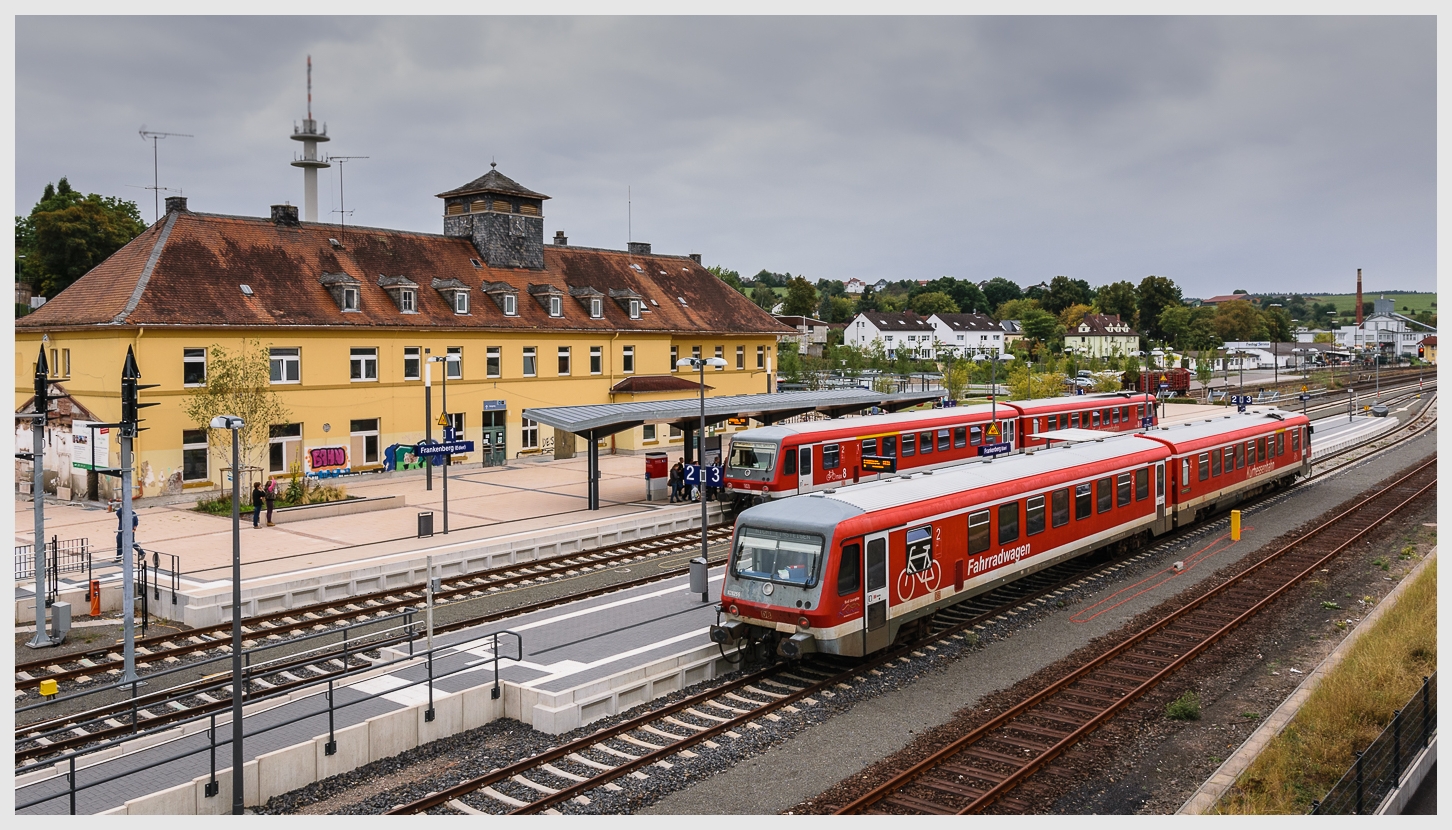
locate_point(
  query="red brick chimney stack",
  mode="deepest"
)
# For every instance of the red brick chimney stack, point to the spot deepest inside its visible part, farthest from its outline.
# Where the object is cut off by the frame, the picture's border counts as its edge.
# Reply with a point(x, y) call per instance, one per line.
point(1358, 298)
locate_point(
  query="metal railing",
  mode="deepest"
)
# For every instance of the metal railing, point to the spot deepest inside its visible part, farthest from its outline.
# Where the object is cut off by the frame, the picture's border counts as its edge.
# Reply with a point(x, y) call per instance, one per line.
point(67, 556)
point(1379, 768)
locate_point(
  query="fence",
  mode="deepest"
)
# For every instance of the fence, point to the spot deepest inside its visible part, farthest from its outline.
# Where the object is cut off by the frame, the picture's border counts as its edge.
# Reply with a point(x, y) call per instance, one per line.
point(1379, 768)
point(68, 556)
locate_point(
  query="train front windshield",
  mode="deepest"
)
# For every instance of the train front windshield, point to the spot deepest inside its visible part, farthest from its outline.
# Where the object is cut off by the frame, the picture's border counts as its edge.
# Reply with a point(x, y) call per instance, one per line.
point(777, 556)
point(748, 456)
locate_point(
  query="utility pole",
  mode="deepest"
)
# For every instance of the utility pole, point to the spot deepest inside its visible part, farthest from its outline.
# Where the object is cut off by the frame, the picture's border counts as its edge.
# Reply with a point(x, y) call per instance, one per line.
point(155, 180)
point(37, 494)
point(428, 417)
point(130, 420)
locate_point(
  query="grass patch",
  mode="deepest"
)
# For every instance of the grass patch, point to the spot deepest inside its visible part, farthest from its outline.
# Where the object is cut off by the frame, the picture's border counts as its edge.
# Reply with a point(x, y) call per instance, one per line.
point(1414, 302)
point(1350, 707)
point(1184, 707)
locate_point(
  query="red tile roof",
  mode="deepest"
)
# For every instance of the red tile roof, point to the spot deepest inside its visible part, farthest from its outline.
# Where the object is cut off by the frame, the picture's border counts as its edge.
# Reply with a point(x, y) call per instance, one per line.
point(187, 271)
point(657, 383)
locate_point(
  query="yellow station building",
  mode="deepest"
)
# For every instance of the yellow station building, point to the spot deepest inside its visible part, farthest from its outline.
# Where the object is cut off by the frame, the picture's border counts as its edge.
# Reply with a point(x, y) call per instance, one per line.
point(349, 317)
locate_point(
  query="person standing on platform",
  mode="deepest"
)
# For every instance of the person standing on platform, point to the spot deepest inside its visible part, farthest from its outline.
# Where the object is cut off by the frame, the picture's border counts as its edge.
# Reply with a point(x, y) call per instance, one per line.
point(270, 494)
point(258, 497)
point(677, 480)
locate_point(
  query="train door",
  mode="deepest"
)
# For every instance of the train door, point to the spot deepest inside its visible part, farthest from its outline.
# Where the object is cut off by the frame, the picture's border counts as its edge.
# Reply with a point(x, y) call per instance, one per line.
point(1160, 489)
point(876, 633)
point(804, 469)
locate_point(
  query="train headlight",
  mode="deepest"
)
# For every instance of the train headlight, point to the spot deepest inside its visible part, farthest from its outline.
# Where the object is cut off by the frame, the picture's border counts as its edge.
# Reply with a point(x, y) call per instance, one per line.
point(732, 609)
point(804, 622)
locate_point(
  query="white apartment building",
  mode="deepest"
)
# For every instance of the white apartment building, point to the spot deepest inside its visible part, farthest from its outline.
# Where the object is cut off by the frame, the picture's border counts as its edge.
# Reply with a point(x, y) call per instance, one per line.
point(897, 330)
point(960, 334)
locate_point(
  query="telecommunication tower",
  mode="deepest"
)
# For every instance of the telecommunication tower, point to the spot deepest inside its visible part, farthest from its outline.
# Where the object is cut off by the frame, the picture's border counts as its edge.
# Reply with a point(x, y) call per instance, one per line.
point(309, 135)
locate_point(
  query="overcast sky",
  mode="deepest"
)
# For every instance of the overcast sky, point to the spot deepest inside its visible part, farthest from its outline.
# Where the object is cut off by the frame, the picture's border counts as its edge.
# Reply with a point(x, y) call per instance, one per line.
point(1263, 153)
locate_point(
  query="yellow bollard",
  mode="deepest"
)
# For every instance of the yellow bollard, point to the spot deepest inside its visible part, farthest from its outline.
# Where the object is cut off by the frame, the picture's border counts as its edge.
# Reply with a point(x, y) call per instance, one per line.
point(1235, 525)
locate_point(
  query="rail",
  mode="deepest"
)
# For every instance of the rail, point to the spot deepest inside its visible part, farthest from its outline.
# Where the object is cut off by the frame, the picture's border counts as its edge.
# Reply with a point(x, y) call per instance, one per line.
point(1379, 768)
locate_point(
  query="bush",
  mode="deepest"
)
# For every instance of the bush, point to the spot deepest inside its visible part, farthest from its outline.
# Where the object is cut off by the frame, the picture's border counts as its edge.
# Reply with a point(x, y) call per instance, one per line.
point(1184, 707)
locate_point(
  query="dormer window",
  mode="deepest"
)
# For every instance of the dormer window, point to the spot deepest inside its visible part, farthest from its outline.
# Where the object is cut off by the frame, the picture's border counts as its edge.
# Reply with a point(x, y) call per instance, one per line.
point(556, 307)
point(510, 309)
point(408, 300)
point(461, 302)
point(597, 308)
point(346, 290)
point(402, 290)
point(634, 312)
point(454, 292)
point(350, 299)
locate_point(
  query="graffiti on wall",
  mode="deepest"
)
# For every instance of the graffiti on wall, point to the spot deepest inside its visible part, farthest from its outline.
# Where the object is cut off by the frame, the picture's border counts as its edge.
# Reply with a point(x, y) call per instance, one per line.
point(326, 459)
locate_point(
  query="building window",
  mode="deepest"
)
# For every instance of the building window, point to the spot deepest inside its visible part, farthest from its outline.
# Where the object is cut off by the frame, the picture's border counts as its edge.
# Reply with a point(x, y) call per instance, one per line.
point(597, 309)
point(461, 302)
point(528, 433)
point(286, 366)
point(647, 432)
point(407, 300)
point(364, 447)
point(194, 367)
point(627, 360)
point(454, 368)
point(674, 352)
point(740, 357)
point(509, 308)
point(556, 307)
point(696, 353)
point(595, 360)
point(635, 309)
point(363, 364)
point(761, 357)
point(529, 361)
point(194, 455)
point(564, 356)
point(721, 356)
point(350, 299)
point(491, 361)
point(284, 447)
point(65, 362)
point(412, 360)
point(456, 423)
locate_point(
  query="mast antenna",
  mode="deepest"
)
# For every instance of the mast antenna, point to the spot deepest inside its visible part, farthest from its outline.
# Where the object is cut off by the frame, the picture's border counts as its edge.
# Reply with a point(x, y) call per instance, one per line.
point(155, 186)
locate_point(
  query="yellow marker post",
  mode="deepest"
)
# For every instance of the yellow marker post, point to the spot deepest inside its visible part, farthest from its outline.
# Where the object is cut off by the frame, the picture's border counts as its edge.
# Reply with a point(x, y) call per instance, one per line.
point(1235, 525)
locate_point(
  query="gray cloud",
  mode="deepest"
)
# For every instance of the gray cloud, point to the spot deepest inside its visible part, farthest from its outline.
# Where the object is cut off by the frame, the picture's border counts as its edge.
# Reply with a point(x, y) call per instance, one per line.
point(1255, 152)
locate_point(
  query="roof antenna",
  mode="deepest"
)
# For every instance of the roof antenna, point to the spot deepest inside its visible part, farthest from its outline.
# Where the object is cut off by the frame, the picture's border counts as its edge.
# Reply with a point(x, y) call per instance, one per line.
point(155, 187)
point(342, 214)
point(629, 231)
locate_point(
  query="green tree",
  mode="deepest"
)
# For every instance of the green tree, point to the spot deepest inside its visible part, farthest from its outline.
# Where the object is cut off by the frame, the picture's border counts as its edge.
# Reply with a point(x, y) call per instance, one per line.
point(238, 383)
point(763, 296)
point(1119, 298)
point(1239, 320)
point(1040, 326)
point(1174, 325)
point(1072, 316)
point(801, 297)
point(789, 363)
point(999, 291)
point(771, 279)
point(1064, 292)
point(68, 234)
point(934, 302)
point(1155, 295)
point(867, 301)
point(731, 278)
point(1204, 371)
point(964, 294)
point(955, 377)
point(1015, 309)
point(836, 309)
point(1025, 383)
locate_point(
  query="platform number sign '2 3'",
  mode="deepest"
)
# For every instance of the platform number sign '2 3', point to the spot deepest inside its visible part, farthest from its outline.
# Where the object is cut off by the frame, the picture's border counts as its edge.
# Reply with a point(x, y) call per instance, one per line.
point(923, 572)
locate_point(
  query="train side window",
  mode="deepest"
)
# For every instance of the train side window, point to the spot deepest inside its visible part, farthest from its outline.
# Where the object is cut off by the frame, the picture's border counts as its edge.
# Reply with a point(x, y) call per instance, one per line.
point(806, 465)
point(1296, 441)
point(975, 434)
point(1215, 463)
point(1184, 472)
point(1095, 417)
point(925, 441)
point(1280, 443)
point(1229, 459)
point(1008, 430)
point(831, 456)
point(889, 446)
point(1074, 420)
point(960, 437)
point(1124, 495)
point(789, 463)
point(1106, 494)
point(1260, 450)
point(1204, 465)
point(1160, 482)
point(1114, 414)
point(1141, 484)
point(1034, 516)
point(919, 549)
point(1007, 522)
point(869, 446)
point(978, 531)
point(1239, 456)
point(909, 444)
point(1083, 502)
point(942, 440)
point(1061, 507)
point(849, 570)
point(1035, 428)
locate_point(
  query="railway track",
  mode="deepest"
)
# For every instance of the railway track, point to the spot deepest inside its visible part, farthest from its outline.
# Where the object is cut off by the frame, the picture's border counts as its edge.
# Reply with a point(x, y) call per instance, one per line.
point(983, 767)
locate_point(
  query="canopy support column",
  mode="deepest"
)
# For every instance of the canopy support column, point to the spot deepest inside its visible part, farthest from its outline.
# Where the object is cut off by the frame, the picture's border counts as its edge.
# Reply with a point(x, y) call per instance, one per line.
point(592, 456)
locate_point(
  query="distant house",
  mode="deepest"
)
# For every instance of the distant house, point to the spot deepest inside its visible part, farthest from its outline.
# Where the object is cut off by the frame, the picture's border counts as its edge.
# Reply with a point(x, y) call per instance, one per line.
point(1101, 335)
point(1385, 330)
point(1429, 349)
point(898, 331)
point(1230, 298)
point(1012, 332)
point(879, 285)
point(960, 333)
point(811, 336)
point(855, 286)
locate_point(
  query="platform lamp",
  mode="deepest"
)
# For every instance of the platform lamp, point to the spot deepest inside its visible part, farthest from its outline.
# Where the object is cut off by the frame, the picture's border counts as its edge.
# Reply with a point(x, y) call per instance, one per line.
point(235, 424)
point(993, 356)
point(700, 364)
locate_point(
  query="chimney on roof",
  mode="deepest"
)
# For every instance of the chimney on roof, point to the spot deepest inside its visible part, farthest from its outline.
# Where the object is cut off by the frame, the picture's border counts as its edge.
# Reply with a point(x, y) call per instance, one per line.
point(284, 215)
point(696, 258)
point(642, 248)
point(1358, 297)
point(176, 204)
point(561, 239)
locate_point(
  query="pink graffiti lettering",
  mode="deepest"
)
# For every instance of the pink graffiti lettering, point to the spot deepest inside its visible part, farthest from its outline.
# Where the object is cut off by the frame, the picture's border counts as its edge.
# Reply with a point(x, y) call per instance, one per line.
point(328, 457)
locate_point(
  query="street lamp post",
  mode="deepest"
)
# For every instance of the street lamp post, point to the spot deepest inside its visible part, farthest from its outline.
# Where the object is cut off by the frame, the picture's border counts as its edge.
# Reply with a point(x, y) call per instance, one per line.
point(700, 364)
point(235, 424)
point(446, 359)
point(991, 354)
point(428, 416)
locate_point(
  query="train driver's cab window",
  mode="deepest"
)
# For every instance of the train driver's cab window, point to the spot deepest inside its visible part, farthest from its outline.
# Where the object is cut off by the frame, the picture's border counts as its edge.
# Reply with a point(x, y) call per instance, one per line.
point(831, 456)
point(978, 531)
point(1034, 516)
point(925, 440)
point(849, 570)
point(1215, 463)
point(747, 456)
point(1007, 522)
point(777, 555)
point(909, 444)
point(1141, 484)
point(1106, 494)
point(789, 463)
point(1083, 501)
point(960, 437)
point(1185, 472)
point(1061, 507)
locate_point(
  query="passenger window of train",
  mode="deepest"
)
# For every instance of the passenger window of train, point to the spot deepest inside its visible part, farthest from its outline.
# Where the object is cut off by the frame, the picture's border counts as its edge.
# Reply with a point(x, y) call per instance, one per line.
point(1184, 472)
point(909, 444)
point(1083, 502)
point(1141, 484)
point(889, 446)
point(1106, 494)
point(1034, 516)
point(920, 549)
point(925, 440)
point(1008, 430)
point(869, 446)
point(1239, 456)
point(1229, 459)
point(1035, 426)
point(1260, 450)
point(1007, 522)
point(1074, 420)
point(789, 463)
point(1160, 482)
point(831, 456)
point(1280, 443)
point(806, 465)
point(1204, 465)
point(942, 440)
point(976, 435)
point(1061, 507)
point(978, 531)
point(1095, 417)
point(849, 570)
point(1123, 496)
point(960, 437)
point(1215, 463)
point(777, 555)
point(1296, 441)
point(1114, 415)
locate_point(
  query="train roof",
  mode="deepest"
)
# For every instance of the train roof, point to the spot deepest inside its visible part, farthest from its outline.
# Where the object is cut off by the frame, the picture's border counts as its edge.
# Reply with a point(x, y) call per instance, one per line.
point(1222, 428)
point(886, 421)
point(1062, 402)
point(828, 508)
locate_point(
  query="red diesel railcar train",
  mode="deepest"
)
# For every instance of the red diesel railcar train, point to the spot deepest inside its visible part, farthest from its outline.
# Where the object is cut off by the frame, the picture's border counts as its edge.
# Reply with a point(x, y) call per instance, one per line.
point(841, 572)
point(788, 459)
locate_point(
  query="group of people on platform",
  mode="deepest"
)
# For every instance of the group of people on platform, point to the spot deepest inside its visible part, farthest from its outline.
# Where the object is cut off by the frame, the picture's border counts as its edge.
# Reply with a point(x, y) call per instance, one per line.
point(680, 491)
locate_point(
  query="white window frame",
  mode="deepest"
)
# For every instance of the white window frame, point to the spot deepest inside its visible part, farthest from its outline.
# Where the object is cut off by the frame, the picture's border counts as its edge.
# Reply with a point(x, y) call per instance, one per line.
point(740, 357)
point(675, 351)
point(562, 360)
point(721, 356)
point(192, 356)
point(528, 434)
point(648, 434)
point(493, 361)
point(408, 301)
point(414, 353)
point(362, 458)
point(193, 447)
point(279, 360)
point(627, 360)
point(635, 309)
point(597, 308)
point(461, 302)
point(363, 364)
point(511, 307)
point(557, 306)
point(761, 357)
point(597, 360)
point(454, 369)
point(350, 298)
point(530, 366)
